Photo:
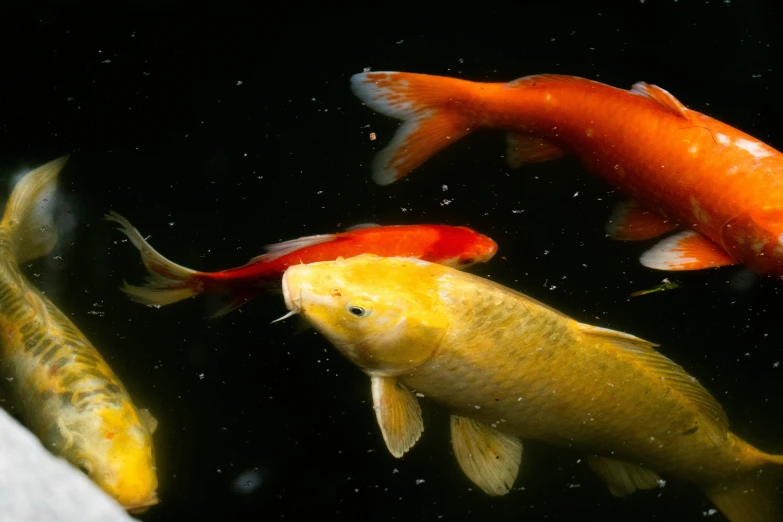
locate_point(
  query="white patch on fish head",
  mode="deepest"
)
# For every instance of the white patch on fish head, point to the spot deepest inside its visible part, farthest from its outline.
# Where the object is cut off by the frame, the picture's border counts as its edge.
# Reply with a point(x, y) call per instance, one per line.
point(732, 170)
point(722, 138)
point(381, 313)
point(694, 150)
point(756, 149)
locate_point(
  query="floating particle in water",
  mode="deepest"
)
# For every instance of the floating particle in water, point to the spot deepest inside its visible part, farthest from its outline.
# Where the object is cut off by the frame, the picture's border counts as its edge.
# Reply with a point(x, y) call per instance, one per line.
point(372, 136)
point(743, 280)
point(247, 482)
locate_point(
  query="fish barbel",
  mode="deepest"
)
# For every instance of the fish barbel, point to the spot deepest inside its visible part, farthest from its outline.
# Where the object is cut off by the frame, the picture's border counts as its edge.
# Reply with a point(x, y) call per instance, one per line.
point(63, 389)
point(509, 368)
point(679, 168)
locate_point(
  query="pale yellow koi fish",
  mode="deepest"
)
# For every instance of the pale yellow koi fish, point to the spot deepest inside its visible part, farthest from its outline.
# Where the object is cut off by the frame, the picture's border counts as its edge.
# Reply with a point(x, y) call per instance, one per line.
point(58, 382)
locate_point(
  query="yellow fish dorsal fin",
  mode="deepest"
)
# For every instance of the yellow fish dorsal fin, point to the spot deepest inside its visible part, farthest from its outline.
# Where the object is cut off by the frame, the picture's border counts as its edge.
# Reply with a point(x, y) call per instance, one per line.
point(398, 414)
point(148, 419)
point(29, 212)
point(488, 457)
point(623, 478)
point(668, 370)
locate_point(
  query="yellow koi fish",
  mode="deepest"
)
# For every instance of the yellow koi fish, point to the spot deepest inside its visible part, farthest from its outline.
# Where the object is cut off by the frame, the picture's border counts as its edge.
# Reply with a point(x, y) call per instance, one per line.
point(63, 389)
point(511, 368)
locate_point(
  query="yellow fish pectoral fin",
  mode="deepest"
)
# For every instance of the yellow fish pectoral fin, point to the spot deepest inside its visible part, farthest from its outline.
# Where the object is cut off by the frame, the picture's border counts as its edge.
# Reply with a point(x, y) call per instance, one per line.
point(149, 420)
point(623, 478)
point(488, 457)
point(398, 414)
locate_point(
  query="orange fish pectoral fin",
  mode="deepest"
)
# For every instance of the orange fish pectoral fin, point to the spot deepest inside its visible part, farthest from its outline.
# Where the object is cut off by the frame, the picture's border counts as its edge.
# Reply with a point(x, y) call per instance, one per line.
point(488, 457)
point(687, 250)
point(426, 104)
point(523, 148)
point(398, 414)
point(631, 222)
point(623, 478)
point(662, 97)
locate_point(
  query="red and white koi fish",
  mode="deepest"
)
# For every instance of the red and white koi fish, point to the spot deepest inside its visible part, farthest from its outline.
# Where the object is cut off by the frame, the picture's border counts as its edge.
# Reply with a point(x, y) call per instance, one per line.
point(457, 247)
point(680, 168)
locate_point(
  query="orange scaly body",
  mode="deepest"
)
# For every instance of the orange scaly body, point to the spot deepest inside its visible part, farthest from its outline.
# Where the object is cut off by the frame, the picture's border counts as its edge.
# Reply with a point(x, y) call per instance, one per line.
point(680, 167)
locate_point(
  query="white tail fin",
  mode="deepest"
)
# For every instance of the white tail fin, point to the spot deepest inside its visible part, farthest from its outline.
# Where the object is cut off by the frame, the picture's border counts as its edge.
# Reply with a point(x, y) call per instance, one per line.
point(168, 282)
point(28, 221)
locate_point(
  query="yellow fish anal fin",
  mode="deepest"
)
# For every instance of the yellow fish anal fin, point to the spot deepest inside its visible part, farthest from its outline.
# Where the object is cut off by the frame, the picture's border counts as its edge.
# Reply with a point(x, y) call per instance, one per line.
point(523, 148)
point(148, 419)
point(398, 414)
point(670, 372)
point(623, 478)
point(488, 457)
point(662, 97)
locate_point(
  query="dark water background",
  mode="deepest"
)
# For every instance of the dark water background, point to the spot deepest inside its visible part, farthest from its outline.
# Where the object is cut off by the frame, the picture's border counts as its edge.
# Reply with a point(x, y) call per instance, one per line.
point(217, 134)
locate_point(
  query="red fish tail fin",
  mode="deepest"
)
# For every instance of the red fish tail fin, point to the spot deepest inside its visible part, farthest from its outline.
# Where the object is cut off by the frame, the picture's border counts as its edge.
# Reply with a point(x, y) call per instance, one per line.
point(754, 496)
point(430, 107)
point(167, 282)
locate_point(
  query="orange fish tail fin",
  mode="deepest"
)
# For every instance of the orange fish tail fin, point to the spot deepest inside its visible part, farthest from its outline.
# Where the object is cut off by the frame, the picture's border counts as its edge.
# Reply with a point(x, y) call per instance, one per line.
point(754, 496)
point(430, 107)
point(168, 282)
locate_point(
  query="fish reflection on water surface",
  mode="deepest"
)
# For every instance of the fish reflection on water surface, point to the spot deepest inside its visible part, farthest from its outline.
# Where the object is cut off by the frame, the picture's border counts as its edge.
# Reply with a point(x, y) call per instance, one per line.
point(58, 382)
point(510, 368)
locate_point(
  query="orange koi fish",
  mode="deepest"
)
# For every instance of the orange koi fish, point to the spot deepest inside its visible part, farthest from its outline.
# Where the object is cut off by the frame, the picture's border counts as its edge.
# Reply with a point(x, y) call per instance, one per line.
point(680, 168)
point(457, 247)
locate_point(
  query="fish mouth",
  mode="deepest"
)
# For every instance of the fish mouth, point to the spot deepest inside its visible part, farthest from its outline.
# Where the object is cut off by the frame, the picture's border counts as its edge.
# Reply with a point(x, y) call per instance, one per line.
point(140, 507)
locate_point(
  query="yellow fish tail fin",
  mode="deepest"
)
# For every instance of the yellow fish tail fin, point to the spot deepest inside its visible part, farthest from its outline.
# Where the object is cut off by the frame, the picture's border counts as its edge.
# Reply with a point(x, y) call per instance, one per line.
point(28, 221)
point(168, 282)
point(754, 496)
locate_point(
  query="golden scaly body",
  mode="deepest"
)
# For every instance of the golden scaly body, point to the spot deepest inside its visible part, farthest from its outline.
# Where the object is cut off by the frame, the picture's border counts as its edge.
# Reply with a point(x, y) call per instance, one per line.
point(530, 371)
point(48, 364)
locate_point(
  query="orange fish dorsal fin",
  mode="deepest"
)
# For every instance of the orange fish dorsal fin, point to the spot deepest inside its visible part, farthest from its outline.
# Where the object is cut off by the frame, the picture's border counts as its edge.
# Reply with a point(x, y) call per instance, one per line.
point(687, 250)
point(631, 222)
point(669, 372)
point(533, 80)
point(398, 413)
point(623, 478)
point(661, 97)
point(286, 247)
point(523, 148)
point(488, 457)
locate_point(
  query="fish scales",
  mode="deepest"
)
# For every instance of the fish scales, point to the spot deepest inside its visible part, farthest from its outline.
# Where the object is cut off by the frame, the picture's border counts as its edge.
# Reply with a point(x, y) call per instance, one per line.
point(512, 361)
point(510, 368)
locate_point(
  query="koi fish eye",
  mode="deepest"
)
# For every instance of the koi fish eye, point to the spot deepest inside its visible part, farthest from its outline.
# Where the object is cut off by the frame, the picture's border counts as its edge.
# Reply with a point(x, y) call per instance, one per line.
point(357, 311)
point(466, 260)
point(85, 466)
